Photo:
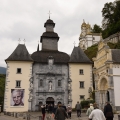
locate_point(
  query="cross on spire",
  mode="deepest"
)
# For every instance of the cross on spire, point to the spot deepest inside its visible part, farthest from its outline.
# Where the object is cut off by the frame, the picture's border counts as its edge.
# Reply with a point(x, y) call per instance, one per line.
point(49, 14)
point(19, 41)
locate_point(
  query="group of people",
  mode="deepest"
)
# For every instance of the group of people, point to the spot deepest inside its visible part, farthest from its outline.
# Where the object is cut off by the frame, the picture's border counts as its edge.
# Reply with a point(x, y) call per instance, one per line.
point(58, 112)
point(61, 112)
point(94, 113)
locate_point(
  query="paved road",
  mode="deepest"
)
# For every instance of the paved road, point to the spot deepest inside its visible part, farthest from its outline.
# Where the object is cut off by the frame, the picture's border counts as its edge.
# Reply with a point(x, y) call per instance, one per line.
point(83, 117)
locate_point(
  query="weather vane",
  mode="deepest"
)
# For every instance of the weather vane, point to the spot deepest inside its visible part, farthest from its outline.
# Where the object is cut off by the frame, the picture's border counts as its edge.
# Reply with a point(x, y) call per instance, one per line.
point(24, 41)
point(49, 14)
point(74, 43)
point(19, 41)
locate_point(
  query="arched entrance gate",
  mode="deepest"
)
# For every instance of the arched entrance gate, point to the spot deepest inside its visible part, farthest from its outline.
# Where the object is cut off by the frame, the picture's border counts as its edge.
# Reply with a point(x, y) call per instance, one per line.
point(103, 92)
point(50, 100)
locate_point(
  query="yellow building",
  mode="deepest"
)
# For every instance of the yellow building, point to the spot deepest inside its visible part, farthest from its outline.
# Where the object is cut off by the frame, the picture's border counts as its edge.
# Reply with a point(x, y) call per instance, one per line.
point(107, 76)
point(19, 71)
point(80, 72)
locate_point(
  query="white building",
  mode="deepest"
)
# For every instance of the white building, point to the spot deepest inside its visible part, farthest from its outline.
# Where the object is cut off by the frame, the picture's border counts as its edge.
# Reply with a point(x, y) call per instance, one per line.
point(87, 38)
point(80, 73)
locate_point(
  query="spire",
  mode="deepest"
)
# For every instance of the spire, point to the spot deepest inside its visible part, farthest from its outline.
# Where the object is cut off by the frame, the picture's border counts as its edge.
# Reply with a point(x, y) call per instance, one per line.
point(83, 21)
point(38, 47)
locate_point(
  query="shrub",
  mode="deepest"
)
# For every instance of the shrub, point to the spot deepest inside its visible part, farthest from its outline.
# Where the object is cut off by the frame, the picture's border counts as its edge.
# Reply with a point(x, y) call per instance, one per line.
point(85, 103)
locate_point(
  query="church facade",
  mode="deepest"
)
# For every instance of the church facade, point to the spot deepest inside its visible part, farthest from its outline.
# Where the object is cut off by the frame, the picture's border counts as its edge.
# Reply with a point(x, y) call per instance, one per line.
point(39, 78)
point(46, 76)
point(107, 76)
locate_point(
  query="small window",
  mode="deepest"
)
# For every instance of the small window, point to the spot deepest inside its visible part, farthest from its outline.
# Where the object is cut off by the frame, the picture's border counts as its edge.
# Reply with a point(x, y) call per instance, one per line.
point(18, 83)
point(82, 97)
point(59, 83)
point(41, 83)
point(81, 72)
point(18, 70)
point(81, 84)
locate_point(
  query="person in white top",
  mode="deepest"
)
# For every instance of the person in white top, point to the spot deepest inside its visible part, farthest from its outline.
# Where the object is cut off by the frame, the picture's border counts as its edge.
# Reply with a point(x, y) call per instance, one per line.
point(96, 114)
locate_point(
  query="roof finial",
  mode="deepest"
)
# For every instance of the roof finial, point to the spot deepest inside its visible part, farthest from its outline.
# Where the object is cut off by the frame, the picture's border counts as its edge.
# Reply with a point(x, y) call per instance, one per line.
point(38, 46)
point(83, 21)
point(49, 14)
point(74, 43)
point(24, 41)
point(19, 41)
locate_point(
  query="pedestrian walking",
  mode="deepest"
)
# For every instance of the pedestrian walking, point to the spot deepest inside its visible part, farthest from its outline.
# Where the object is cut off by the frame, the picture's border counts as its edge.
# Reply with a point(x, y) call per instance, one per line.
point(108, 112)
point(64, 107)
point(96, 114)
point(69, 111)
point(60, 113)
point(51, 108)
point(90, 109)
point(78, 108)
point(43, 112)
point(55, 108)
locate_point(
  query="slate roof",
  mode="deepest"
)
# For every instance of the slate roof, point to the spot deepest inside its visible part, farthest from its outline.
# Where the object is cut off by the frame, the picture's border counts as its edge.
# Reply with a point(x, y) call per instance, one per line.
point(42, 56)
point(115, 55)
point(49, 35)
point(20, 54)
point(78, 56)
point(49, 21)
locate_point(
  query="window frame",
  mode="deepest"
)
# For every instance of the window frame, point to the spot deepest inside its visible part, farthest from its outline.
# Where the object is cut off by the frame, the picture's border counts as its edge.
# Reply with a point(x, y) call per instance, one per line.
point(82, 96)
point(82, 86)
point(18, 71)
point(81, 72)
point(18, 83)
point(59, 81)
point(41, 81)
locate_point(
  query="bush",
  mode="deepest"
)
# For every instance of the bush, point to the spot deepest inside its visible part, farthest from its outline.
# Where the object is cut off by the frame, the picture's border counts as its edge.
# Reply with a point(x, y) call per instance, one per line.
point(85, 103)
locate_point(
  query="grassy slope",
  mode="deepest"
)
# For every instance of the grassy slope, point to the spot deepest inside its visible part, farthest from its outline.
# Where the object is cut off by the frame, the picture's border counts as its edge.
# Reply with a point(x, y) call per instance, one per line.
point(92, 51)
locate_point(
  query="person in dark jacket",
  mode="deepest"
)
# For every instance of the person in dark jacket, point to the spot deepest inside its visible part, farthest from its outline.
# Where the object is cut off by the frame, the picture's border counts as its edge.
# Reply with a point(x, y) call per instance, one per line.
point(43, 112)
point(60, 113)
point(55, 108)
point(108, 112)
point(78, 108)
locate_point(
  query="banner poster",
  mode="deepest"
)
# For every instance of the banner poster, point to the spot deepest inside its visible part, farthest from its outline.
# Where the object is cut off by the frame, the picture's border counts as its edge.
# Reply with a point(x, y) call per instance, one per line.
point(17, 97)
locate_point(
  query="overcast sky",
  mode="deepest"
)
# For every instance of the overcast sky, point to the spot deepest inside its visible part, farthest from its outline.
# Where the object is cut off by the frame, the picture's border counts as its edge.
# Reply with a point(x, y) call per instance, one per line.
point(25, 19)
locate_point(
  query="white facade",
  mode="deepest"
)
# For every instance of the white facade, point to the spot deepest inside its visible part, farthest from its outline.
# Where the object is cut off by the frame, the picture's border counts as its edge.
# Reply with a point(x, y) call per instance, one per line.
point(11, 84)
point(87, 38)
point(116, 78)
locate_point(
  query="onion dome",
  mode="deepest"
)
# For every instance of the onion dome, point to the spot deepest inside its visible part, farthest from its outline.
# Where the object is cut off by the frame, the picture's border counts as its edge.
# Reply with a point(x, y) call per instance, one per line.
point(49, 21)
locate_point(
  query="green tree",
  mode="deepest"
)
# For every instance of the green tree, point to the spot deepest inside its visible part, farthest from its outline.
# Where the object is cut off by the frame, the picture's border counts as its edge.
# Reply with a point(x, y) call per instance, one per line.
point(96, 29)
point(107, 13)
point(111, 18)
point(2, 88)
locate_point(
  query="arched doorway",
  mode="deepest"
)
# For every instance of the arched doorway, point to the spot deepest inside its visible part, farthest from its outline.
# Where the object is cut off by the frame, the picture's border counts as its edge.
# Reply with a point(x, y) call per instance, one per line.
point(50, 100)
point(103, 87)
